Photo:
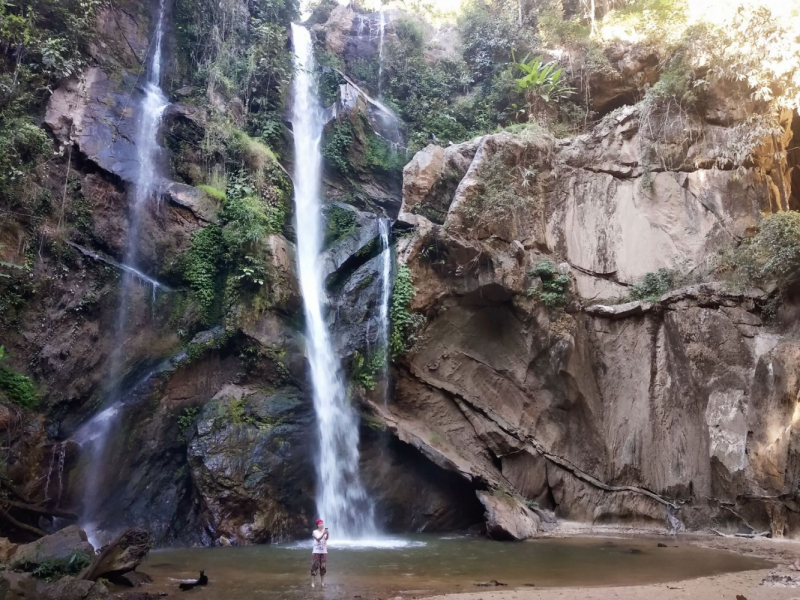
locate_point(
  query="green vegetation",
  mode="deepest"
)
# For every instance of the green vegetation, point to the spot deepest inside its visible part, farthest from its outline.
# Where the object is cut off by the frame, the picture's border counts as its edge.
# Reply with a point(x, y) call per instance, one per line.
point(405, 324)
point(542, 84)
point(339, 224)
point(188, 417)
point(217, 194)
point(223, 54)
point(509, 183)
point(654, 285)
point(771, 257)
point(16, 387)
point(554, 290)
point(23, 146)
point(336, 146)
point(54, 569)
point(365, 370)
point(201, 266)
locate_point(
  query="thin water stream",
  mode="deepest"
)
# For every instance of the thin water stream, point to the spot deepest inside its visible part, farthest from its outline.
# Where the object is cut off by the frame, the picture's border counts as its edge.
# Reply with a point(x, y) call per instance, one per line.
point(427, 564)
point(93, 436)
point(386, 296)
point(341, 499)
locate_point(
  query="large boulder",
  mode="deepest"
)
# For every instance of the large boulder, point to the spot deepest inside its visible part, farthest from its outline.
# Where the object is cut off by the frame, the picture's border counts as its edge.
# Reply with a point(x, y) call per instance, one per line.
point(249, 460)
point(61, 545)
point(18, 586)
point(507, 518)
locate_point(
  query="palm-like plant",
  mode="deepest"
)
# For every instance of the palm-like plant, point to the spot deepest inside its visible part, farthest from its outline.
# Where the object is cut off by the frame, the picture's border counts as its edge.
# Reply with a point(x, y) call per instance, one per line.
point(542, 83)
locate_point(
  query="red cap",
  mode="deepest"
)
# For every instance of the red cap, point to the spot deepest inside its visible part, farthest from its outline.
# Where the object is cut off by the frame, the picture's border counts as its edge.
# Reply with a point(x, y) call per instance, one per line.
point(319, 521)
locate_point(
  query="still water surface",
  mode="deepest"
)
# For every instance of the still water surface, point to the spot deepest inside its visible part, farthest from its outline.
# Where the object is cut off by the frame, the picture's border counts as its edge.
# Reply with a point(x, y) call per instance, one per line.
point(417, 566)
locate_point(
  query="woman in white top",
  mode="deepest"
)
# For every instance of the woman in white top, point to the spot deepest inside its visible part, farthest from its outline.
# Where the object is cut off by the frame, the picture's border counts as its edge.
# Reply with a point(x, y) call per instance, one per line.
point(319, 553)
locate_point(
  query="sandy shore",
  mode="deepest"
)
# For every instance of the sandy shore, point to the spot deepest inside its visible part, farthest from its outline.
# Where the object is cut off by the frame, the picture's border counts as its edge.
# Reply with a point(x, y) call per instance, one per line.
point(722, 586)
point(747, 584)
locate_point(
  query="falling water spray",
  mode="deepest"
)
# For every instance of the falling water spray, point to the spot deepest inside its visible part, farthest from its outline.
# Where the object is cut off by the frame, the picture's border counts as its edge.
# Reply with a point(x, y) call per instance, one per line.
point(341, 499)
point(94, 435)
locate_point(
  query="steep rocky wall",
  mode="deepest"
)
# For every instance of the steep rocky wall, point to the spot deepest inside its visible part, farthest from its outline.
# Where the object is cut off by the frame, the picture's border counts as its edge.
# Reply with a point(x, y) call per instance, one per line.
point(677, 413)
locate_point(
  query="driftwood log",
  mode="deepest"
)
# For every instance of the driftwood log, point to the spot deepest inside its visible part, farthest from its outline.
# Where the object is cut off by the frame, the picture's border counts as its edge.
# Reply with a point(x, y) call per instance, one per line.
point(120, 556)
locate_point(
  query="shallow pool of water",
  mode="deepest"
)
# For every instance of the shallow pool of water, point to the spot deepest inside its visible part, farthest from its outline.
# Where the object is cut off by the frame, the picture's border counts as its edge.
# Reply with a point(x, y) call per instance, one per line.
point(425, 565)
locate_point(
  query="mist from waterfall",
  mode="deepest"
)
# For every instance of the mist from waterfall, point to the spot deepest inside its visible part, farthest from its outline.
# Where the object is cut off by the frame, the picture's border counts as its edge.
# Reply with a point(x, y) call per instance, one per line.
point(94, 435)
point(341, 499)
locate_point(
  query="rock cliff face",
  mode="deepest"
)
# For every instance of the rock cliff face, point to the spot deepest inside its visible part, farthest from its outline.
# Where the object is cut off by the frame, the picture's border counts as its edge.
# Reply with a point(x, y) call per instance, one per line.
point(679, 412)
point(505, 414)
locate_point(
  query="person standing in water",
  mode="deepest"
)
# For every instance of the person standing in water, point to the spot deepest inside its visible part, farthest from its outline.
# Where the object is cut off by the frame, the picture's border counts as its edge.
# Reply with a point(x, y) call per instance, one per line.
point(319, 553)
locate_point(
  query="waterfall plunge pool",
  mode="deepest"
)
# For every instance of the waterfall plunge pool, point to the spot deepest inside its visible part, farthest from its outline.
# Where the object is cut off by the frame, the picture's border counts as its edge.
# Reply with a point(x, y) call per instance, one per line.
point(423, 565)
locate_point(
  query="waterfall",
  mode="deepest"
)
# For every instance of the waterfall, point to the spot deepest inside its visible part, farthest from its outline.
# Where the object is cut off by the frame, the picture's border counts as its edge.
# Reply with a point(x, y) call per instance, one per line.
point(386, 294)
point(380, 51)
point(341, 499)
point(99, 428)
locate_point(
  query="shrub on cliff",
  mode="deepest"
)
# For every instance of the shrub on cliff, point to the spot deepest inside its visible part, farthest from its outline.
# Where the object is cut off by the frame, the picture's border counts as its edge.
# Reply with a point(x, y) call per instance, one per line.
point(405, 324)
point(16, 387)
point(771, 257)
point(654, 285)
point(554, 290)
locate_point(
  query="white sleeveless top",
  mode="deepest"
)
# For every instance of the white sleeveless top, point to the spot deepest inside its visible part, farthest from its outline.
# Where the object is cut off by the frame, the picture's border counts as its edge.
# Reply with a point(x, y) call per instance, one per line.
point(320, 542)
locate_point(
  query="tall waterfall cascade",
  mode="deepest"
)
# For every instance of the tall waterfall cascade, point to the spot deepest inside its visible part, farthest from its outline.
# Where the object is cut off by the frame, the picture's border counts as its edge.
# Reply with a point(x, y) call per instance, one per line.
point(341, 498)
point(93, 435)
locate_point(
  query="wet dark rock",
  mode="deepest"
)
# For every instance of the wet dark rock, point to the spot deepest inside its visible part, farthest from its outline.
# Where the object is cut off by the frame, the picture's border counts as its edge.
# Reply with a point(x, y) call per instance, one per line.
point(660, 545)
point(364, 233)
point(250, 461)
point(355, 318)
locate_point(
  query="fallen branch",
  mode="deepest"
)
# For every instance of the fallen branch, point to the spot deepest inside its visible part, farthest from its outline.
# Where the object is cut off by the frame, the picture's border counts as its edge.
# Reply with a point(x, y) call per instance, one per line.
point(741, 535)
point(41, 510)
point(29, 528)
point(14, 490)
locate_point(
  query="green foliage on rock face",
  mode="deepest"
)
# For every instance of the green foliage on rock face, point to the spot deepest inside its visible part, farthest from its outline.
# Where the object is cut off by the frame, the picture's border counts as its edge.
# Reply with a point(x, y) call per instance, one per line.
point(405, 325)
point(338, 225)
point(201, 266)
point(22, 146)
point(187, 418)
point(772, 256)
point(16, 387)
point(654, 285)
point(382, 155)
point(44, 41)
point(336, 146)
point(364, 370)
point(554, 290)
point(217, 194)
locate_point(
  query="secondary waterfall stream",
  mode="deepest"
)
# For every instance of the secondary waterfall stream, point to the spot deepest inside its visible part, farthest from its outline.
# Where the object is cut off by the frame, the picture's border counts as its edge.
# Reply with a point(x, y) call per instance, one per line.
point(382, 24)
point(95, 433)
point(386, 294)
point(341, 499)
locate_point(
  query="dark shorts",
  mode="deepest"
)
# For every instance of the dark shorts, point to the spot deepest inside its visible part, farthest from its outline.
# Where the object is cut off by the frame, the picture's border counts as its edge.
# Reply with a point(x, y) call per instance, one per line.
point(319, 563)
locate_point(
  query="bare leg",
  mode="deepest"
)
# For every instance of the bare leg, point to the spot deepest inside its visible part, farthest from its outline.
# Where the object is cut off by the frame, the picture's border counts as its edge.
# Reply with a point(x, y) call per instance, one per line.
point(322, 580)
